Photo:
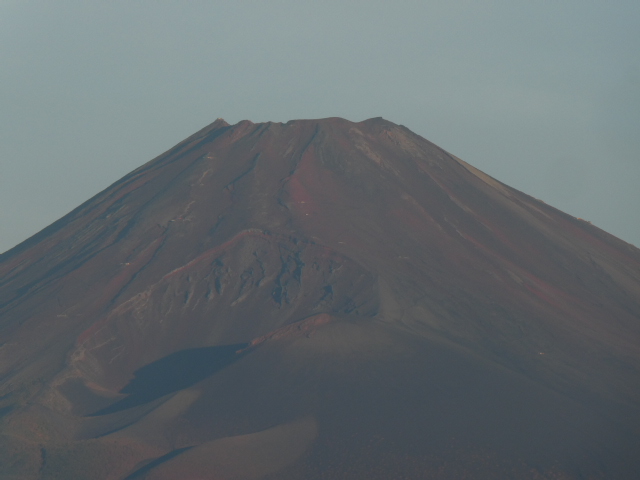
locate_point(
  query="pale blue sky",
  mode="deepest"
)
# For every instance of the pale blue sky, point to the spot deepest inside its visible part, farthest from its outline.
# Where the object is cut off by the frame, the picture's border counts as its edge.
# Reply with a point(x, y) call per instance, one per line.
point(544, 96)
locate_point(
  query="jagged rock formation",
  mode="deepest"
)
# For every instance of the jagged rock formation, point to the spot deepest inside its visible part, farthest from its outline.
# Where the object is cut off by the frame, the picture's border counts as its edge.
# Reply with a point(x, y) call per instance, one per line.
point(318, 299)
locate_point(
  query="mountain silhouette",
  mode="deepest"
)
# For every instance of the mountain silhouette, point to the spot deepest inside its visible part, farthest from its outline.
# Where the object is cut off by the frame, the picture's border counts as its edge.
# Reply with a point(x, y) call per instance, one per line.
point(318, 299)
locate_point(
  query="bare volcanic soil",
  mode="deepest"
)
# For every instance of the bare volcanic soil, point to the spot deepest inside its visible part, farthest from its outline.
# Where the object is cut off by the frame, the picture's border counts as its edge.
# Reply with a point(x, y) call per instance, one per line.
point(319, 299)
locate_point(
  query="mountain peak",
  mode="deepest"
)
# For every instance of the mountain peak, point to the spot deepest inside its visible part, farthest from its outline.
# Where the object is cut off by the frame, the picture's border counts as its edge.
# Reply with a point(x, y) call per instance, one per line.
point(220, 122)
point(346, 296)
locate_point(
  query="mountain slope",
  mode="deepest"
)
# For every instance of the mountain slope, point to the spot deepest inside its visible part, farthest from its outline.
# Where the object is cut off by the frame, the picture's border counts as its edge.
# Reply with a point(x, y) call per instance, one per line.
point(318, 299)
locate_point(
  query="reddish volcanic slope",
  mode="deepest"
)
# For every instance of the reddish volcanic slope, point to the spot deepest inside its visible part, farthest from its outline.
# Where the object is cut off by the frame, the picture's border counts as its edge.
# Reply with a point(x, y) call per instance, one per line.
point(319, 299)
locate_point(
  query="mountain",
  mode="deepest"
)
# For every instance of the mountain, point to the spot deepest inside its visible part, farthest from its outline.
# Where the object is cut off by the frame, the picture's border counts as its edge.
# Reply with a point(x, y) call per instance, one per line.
point(318, 299)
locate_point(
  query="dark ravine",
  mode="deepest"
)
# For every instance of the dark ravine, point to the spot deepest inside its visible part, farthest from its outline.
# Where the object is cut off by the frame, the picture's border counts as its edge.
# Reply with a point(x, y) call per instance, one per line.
point(318, 299)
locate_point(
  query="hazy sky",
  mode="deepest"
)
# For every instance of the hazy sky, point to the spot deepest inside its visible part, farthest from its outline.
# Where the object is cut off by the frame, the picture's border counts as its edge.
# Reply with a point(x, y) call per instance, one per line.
point(544, 96)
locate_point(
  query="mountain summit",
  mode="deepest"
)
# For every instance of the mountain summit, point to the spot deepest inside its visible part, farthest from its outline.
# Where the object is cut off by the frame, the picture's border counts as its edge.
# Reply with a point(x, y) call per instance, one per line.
point(318, 299)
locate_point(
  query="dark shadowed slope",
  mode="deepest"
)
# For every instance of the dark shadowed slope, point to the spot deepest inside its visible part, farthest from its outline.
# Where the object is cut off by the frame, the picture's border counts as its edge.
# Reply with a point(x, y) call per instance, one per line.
point(318, 299)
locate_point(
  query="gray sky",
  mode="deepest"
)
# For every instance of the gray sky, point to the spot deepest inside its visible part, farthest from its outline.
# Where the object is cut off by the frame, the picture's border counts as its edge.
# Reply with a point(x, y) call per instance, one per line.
point(544, 96)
